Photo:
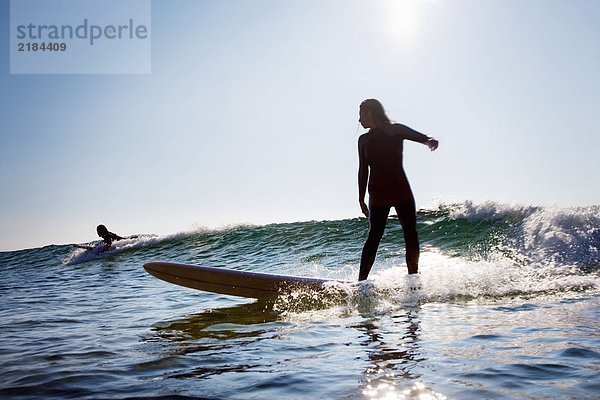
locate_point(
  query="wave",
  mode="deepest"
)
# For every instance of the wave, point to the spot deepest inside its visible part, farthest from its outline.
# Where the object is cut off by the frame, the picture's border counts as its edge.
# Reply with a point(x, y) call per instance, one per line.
point(468, 250)
point(489, 232)
point(532, 235)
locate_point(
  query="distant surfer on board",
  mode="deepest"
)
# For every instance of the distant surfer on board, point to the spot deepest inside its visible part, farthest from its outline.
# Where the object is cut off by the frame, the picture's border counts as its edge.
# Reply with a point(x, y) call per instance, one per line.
point(107, 237)
point(380, 165)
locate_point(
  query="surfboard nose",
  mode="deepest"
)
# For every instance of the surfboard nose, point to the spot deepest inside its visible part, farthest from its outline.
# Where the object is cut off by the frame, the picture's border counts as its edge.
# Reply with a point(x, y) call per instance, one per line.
point(154, 267)
point(229, 281)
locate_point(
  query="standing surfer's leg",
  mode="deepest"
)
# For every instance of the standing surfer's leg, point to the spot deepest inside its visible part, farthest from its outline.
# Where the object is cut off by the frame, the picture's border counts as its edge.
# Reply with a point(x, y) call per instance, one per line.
point(407, 214)
point(377, 219)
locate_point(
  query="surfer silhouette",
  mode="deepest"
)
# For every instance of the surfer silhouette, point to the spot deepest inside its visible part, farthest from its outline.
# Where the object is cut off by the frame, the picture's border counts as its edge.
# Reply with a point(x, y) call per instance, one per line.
point(380, 166)
point(107, 237)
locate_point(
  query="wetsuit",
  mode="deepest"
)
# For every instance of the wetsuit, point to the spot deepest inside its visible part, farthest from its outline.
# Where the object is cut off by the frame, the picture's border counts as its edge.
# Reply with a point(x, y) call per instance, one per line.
point(381, 151)
point(109, 237)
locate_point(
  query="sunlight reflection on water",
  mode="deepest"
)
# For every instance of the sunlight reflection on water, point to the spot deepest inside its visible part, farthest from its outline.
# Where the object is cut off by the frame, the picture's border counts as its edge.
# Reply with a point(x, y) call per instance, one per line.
point(389, 391)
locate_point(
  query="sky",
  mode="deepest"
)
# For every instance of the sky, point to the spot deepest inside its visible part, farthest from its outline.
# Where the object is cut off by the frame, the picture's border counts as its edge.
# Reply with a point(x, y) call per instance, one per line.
point(250, 115)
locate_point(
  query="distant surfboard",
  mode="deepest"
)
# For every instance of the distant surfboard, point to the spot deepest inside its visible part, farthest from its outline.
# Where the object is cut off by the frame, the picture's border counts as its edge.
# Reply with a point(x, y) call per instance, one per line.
point(232, 282)
point(97, 249)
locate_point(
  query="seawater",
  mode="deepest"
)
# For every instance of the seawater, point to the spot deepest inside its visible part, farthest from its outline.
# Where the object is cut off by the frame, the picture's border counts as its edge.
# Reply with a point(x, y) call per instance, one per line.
point(507, 308)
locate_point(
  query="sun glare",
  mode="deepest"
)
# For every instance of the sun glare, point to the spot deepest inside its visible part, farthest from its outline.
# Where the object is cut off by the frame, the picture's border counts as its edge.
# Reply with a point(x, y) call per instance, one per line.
point(404, 18)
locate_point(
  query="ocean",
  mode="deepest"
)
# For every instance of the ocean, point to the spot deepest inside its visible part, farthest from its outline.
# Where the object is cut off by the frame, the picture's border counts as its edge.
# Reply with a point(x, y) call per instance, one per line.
point(507, 307)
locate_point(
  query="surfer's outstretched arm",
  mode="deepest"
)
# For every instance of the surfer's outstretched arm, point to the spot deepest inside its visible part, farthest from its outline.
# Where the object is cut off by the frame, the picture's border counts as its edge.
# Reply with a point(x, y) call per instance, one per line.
point(412, 135)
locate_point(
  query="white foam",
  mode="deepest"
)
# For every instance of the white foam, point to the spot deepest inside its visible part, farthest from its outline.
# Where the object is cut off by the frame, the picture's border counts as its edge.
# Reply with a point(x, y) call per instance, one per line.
point(487, 210)
point(79, 255)
point(442, 278)
point(566, 235)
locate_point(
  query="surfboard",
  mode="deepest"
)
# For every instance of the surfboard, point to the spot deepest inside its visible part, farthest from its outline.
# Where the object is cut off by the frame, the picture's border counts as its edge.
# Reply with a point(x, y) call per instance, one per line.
point(97, 249)
point(232, 282)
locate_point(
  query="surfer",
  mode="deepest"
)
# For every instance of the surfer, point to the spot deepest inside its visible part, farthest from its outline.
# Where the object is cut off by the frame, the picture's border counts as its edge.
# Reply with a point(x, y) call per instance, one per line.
point(107, 237)
point(380, 165)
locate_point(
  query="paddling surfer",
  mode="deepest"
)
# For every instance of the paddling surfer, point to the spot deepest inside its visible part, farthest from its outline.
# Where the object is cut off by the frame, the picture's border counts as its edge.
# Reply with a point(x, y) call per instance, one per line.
point(107, 237)
point(380, 165)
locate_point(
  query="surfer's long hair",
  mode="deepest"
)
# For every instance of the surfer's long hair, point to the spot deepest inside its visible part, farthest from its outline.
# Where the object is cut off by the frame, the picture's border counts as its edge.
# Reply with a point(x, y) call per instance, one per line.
point(376, 108)
point(101, 230)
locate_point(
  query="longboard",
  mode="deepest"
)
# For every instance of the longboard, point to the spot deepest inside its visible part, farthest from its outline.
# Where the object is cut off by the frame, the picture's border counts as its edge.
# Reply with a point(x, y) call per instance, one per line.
point(232, 282)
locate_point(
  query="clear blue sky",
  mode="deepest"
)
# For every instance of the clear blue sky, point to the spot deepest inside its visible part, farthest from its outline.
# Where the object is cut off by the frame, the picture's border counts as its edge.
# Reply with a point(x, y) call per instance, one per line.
point(250, 115)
